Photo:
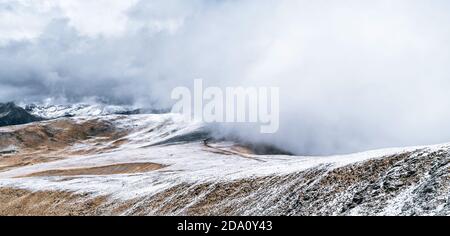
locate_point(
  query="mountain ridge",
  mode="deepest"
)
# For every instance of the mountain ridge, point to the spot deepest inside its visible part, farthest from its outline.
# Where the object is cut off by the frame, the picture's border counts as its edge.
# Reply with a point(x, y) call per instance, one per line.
point(147, 165)
point(10, 114)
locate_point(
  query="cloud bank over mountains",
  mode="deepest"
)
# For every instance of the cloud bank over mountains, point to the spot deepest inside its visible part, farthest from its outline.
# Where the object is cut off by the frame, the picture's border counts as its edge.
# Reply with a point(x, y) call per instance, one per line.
point(353, 75)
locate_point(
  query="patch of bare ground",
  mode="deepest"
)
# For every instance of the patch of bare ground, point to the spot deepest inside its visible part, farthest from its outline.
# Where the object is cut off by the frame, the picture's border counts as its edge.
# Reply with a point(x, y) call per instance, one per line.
point(16, 202)
point(51, 140)
point(19, 202)
point(58, 133)
point(125, 168)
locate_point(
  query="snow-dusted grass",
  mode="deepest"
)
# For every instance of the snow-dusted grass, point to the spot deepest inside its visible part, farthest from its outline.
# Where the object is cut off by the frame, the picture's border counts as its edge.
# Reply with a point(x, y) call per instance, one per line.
point(186, 163)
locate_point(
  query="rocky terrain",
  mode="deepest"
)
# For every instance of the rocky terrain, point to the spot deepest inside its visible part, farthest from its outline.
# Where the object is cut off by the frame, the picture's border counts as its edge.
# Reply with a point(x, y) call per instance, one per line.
point(10, 114)
point(159, 164)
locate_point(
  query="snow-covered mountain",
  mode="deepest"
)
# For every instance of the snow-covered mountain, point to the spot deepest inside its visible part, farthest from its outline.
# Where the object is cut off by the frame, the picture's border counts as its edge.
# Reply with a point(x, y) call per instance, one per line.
point(51, 111)
point(160, 164)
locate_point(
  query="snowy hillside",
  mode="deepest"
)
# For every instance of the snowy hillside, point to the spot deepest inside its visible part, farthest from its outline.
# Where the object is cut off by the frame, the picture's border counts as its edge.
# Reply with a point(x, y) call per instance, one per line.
point(163, 165)
point(51, 111)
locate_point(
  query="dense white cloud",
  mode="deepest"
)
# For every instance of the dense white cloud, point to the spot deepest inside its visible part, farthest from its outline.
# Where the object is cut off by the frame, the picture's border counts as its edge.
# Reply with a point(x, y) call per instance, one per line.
point(24, 19)
point(99, 17)
point(353, 74)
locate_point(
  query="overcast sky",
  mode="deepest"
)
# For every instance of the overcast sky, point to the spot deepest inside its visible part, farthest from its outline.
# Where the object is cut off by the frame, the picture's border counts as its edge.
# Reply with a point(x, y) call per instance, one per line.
point(353, 74)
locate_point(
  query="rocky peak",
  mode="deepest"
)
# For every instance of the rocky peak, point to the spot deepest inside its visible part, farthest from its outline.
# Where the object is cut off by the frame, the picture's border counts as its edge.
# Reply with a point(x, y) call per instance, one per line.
point(10, 114)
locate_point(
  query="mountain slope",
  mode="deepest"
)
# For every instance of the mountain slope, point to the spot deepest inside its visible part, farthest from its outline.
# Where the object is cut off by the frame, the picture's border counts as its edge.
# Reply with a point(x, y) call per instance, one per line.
point(10, 114)
point(163, 165)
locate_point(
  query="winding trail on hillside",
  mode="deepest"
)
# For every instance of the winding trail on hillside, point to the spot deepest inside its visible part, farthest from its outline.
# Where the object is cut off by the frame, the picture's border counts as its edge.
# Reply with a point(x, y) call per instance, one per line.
point(222, 151)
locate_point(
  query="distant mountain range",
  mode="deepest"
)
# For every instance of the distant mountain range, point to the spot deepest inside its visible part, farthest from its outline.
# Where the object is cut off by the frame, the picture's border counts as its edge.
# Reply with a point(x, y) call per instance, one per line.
point(52, 111)
point(10, 114)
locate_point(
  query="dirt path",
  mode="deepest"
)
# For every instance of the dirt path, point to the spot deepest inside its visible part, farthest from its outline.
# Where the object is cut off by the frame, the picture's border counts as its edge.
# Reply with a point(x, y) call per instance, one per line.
point(222, 151)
